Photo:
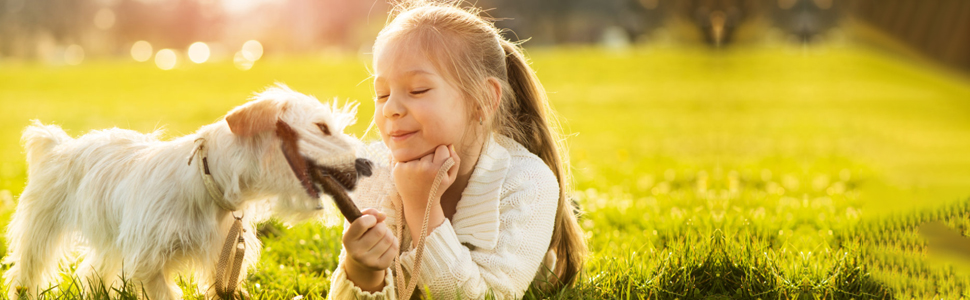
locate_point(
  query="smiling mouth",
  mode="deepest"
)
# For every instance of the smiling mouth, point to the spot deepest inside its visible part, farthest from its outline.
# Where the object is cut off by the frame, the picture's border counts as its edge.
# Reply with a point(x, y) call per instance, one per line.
point(401, 136)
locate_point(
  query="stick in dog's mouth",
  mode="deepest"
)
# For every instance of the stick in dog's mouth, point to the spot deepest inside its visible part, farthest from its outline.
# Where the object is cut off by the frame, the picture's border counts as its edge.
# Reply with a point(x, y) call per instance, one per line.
point(336, 184)
point(315, 178)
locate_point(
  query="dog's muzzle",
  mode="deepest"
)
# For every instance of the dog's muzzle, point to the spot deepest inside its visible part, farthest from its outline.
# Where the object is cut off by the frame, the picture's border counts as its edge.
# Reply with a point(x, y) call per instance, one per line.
point(336, 184)
point(346, 178)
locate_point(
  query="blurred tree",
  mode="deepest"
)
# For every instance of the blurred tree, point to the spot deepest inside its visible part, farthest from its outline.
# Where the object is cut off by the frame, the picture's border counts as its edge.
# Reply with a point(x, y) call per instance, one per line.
point(24, 23)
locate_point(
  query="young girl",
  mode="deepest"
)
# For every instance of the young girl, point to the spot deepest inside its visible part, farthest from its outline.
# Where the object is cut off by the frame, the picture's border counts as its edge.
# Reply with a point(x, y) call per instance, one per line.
point(452, 94)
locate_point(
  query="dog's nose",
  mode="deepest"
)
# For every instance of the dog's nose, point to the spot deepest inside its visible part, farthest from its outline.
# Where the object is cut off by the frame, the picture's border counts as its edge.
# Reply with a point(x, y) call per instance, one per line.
point(364, 167)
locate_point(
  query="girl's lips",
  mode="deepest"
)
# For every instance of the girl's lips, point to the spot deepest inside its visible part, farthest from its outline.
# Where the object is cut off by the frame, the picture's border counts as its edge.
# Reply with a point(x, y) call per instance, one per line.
point(400, 136)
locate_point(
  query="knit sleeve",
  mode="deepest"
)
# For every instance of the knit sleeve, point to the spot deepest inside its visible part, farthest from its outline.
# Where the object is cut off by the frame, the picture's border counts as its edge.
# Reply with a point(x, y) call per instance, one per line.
point(528, 201)
point(343, 288)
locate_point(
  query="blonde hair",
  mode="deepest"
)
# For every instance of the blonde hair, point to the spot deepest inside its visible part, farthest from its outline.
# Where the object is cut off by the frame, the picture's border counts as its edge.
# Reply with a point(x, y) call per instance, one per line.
point(470, 49)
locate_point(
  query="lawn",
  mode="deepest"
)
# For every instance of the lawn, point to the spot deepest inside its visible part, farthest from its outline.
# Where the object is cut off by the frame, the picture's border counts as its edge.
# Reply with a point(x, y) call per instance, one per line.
point(772, 172)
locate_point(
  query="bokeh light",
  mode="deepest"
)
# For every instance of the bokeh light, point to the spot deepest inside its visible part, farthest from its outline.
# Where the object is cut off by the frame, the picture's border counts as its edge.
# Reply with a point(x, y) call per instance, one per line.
point(165, 59)
point(241, 61)
point(104, 19)
point(141, 51)
point(74, 55)
point(199, 52)
point(252, 50)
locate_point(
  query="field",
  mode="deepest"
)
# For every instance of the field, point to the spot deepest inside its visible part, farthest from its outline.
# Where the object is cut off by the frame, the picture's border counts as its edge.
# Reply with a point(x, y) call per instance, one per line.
point(771, 172)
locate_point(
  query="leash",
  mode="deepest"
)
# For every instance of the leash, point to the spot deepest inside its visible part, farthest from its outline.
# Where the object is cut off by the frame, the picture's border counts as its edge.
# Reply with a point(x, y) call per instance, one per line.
point(415, 270)
point(226, 278)
point(234, 248)
point(211, 187)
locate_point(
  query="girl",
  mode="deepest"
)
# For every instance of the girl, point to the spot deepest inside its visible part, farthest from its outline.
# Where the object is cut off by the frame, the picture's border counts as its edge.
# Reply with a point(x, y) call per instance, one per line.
point(454, 96)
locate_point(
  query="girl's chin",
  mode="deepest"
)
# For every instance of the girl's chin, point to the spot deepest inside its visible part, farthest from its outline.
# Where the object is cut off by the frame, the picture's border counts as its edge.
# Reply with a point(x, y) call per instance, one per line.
point(402, 155)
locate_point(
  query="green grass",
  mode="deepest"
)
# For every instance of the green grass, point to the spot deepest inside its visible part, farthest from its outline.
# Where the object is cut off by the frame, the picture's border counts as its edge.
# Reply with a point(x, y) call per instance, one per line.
point(765, 172)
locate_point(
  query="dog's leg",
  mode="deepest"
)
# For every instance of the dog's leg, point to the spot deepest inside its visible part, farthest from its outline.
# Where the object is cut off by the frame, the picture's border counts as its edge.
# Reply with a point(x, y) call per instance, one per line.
point(36, 237)
point(99, 272)
point(159, 286)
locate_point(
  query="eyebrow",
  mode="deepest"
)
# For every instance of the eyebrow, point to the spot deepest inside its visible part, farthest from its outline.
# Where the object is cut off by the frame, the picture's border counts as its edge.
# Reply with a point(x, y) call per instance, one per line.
point(408, 74)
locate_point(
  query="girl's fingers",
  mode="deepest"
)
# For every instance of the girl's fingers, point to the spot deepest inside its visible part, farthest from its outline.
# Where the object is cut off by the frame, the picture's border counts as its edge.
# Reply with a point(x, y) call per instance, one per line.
point(376, 213)
point(441, 153)
point(380, 255)
point(370, 239)
point(379, 233)
point(453, 172)
point(428, 159)
point(359, 227)
point(388, 256)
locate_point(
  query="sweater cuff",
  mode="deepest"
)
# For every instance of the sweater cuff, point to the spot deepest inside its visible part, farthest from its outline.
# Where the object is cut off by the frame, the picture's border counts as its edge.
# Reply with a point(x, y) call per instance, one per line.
point(441, 249)
point(344, 288)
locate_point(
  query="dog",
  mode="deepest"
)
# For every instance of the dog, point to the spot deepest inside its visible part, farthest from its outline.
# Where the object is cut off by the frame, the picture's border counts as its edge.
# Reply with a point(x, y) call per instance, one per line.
point(148, 209)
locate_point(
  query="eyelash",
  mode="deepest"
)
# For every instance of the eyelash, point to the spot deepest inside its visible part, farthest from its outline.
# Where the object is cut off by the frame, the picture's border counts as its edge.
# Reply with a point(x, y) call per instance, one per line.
point(382, 97)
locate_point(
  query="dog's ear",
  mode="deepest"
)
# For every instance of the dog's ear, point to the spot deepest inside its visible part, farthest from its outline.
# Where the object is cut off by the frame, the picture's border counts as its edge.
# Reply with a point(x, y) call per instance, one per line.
point(253, 117)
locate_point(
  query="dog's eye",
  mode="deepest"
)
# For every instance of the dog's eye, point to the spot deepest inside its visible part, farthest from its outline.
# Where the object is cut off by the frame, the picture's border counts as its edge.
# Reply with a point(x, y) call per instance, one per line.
point(324, 128)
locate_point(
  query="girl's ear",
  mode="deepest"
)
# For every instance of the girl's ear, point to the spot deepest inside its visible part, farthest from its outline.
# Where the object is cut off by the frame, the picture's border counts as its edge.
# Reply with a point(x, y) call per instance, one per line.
point(253, 118)
point(495, 92)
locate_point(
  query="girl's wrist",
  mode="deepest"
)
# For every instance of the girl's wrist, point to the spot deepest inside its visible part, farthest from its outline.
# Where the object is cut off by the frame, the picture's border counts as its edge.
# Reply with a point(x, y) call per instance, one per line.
point(366, 279)
point(414, 216)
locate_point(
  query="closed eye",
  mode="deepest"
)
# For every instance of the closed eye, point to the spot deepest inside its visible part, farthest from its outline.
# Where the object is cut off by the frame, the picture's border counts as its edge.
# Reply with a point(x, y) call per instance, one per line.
point(419, 92)
point(324, 128)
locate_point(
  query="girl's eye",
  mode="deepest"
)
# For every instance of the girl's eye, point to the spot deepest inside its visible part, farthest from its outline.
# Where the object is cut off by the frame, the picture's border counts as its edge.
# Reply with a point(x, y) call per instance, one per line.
point(382, 97)
point(419, 92)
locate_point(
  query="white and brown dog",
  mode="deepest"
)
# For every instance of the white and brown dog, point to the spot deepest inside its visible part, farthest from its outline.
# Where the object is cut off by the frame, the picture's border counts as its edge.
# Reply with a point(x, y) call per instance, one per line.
point(143, 212)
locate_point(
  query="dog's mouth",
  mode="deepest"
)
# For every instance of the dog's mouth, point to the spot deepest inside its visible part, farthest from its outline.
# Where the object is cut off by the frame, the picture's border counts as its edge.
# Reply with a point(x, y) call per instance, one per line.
point(313, 176)
point(346, 179)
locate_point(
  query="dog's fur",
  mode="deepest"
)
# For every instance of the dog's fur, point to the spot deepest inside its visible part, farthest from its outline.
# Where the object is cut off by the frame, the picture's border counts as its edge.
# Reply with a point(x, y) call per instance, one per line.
point(140, 208)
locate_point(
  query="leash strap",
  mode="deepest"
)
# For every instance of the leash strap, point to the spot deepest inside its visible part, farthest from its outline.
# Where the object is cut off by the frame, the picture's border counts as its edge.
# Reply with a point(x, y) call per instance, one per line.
point(234, 249)
point(200, 154)
point(233, 252)
point(406, 293)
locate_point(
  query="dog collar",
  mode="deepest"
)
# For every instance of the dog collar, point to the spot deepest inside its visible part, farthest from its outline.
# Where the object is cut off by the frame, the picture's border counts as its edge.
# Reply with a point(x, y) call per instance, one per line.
point(201, 154)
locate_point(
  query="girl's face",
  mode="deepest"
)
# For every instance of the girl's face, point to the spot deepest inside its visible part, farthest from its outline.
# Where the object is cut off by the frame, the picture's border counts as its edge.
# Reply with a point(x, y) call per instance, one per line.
point(416, 109)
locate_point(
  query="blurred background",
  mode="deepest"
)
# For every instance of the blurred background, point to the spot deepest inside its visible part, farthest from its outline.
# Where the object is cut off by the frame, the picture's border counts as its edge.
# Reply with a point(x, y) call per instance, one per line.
point(805, 141)
point(70, 31)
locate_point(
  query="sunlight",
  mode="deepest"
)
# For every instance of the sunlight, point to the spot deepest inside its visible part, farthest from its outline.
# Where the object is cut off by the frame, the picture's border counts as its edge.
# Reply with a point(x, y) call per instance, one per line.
point(165, 59)
point(199, 52)
point(141, 51)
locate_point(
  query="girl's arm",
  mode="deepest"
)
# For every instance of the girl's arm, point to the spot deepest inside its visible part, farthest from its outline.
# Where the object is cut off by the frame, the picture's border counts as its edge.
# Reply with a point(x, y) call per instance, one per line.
point(527, 209)
point(366, 274)
point(343, 288)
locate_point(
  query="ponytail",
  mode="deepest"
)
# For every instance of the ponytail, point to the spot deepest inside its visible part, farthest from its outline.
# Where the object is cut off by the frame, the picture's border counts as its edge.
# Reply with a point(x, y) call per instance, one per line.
point(537, 128)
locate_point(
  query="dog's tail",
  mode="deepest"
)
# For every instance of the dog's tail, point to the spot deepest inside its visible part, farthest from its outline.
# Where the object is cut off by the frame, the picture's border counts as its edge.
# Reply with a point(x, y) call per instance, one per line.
point(35, 234)
point(40, 139)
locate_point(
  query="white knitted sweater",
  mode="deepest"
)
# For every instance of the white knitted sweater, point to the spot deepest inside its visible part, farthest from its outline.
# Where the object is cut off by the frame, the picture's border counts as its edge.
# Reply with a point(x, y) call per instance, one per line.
point(493, 245)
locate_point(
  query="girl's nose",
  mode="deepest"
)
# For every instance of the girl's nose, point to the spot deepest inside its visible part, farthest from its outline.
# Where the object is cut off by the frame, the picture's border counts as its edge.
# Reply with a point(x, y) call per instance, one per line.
point(393, 108)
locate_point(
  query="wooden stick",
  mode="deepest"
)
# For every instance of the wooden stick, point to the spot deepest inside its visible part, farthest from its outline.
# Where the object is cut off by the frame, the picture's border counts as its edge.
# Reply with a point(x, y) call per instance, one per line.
point(340, 197)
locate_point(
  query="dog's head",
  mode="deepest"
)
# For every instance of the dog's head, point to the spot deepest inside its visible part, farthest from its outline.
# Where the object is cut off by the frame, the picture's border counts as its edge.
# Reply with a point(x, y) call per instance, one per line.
point(303, 141)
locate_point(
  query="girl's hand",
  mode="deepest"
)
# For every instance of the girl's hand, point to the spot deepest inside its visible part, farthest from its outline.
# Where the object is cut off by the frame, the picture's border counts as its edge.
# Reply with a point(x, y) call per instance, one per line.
point(371, 248)
point(414, 179)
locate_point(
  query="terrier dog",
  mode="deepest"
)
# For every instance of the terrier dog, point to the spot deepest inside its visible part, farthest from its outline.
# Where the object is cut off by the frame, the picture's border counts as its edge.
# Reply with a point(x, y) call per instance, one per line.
point(146, 209)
